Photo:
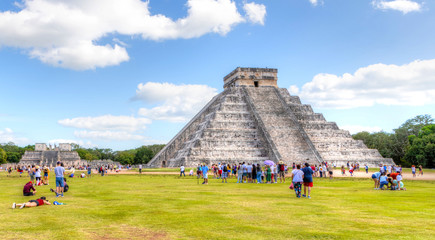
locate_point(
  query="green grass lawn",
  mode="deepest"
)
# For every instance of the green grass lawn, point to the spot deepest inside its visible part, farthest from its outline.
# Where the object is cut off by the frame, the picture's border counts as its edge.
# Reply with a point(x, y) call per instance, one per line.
point(168, 207)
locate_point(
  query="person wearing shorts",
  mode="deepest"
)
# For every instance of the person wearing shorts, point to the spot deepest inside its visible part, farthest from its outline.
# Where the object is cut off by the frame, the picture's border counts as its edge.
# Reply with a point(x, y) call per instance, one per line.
point(375, 177)
point(32, 203)
point(59, 172)
point(204, 174)
point(383, 181)
point(307, 179)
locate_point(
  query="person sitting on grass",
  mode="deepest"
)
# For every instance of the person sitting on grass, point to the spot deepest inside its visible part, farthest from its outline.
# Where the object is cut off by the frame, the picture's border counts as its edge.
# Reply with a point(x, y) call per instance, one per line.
point(27, 189)
point(32, 203)
point(64, 189)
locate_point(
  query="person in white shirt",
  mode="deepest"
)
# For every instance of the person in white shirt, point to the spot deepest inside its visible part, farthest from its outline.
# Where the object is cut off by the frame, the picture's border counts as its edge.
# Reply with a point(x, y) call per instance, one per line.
point(182, 171)
point(297, 180)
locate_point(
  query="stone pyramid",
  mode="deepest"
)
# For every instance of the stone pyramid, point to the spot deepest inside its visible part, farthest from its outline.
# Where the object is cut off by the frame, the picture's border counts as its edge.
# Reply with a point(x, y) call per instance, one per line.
point(253, 120)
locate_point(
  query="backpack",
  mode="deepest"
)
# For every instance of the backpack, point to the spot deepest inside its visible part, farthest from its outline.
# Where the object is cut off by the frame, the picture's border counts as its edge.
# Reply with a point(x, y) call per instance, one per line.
point(66, 188)
point(281, 167)
point(225, 168)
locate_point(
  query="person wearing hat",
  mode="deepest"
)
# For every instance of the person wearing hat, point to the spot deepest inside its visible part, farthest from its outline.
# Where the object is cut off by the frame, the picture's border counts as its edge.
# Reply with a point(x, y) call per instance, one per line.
point(281, 169)
point(27, 190)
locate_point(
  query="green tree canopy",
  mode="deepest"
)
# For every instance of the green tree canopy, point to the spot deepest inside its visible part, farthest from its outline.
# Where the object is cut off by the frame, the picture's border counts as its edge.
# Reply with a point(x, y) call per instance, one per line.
point(3, 156)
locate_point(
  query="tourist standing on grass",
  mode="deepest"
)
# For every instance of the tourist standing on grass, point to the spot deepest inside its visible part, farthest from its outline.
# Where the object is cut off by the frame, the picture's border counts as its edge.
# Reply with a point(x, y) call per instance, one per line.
point(268, 174)
point(420, 170)
point(204, 170)
point(375, 177)
point(275, 174)
point(413, 170)
point(308, 180)
point(140, 169)
point(297, 179)
point(259, 172)
point(181, 170)
point(59, 172)
point(240, 174)
point(46, 175)
point(320, 170)
point(28, 188)
point(367, 168)
point(89, 170)
point(245, 172)
point(198, 171)
point(37, 175)
point(224, 173)
point(254, 173)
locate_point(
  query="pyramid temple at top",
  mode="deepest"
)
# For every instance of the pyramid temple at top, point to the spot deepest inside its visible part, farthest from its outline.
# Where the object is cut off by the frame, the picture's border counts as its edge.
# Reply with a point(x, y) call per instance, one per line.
point(253, 120)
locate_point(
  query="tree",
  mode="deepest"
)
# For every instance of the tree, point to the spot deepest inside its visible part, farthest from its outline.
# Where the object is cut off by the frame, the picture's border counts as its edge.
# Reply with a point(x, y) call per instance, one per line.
point(143, 155)
point(125, 157)
point(421, 150)
point(3, 156)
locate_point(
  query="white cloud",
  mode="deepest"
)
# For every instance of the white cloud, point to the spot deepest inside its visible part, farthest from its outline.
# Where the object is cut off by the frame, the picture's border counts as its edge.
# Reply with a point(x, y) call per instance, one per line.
point(108, 135)
point(357, 128)
point(316, 2)
point(65, 33)
point(404, 6)
point(179, 103)
point(7, 135)
point(409, 84)
point(256, 13)
point(107, 122)
point(81, 143)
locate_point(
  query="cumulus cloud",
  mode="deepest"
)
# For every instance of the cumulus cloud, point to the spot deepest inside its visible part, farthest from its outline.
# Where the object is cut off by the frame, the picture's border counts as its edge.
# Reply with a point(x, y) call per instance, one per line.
point(108, 135)
point(404, 6)
point(357, 128)
point(65, 33)
point(107, 122)
point(7, 135)
point(410, 84)
point(178, 103)
point(256, 13)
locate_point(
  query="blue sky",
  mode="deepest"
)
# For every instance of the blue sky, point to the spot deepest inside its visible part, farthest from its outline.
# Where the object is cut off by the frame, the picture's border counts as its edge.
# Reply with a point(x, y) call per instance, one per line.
point(124, 73)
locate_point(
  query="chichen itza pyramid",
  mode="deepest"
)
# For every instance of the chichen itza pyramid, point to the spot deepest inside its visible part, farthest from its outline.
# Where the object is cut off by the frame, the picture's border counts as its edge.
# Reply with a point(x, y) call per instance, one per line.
point(253, 120)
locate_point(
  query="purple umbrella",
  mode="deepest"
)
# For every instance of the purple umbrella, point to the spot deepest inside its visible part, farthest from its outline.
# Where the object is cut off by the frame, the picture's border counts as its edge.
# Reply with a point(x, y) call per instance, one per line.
point(269, 162)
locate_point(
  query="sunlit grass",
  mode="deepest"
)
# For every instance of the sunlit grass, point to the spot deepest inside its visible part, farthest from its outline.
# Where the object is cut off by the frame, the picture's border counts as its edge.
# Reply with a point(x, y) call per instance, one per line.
point(169, 207)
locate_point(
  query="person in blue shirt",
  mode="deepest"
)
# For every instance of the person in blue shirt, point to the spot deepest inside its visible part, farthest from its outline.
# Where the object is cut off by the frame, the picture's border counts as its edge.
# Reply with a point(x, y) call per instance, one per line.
point(375, 177)
point(59, 171)
point(204, 174)
point(308, 180)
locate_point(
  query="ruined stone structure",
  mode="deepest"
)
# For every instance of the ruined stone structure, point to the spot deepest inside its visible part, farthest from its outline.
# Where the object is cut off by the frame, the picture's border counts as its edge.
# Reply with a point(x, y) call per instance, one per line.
point(48, 156)
point(253, 120)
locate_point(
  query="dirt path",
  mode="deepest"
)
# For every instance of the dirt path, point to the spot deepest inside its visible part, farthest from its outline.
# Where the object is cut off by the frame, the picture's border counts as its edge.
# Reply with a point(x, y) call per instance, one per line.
point(337, 173)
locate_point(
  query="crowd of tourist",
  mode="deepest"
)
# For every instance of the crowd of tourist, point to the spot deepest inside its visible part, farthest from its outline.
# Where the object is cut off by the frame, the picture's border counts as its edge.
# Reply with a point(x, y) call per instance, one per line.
point(388, 177)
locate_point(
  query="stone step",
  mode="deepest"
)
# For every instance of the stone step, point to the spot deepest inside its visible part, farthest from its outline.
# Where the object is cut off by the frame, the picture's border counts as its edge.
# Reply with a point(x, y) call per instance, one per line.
point(238, 143)
point(235, 116)
point(232, 125)
point(320, 125)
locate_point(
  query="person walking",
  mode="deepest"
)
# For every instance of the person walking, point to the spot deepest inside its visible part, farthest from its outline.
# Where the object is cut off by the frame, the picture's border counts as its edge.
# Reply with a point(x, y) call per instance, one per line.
point(297, 179)
point(308, 180)
point(59, 172)
point(140, 169)
point(181, 170)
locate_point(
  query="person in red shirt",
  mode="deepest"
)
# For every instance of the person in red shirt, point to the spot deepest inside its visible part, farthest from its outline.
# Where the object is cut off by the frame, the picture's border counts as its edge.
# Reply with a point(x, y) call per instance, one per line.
point(27, 189)
point(32, 203)
point(394, 175)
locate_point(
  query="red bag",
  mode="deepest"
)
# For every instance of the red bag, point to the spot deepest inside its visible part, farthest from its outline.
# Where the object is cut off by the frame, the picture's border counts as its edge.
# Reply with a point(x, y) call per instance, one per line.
point(291, 186)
